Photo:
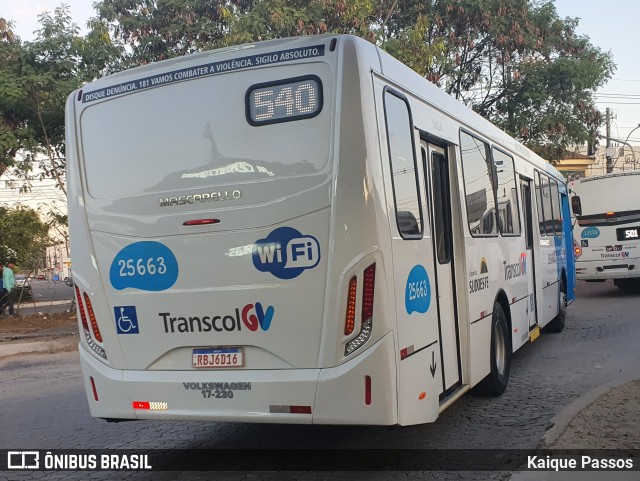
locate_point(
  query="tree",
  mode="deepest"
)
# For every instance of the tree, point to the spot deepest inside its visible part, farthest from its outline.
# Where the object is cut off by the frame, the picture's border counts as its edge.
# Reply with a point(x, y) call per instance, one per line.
point(35, 81)
point(24, 237)
point(515, 62)
point(163, 29)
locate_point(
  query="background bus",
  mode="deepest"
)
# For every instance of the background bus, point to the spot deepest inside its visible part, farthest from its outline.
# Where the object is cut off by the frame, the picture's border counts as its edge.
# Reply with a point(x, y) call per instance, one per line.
point(302, 231)
point(607, 234)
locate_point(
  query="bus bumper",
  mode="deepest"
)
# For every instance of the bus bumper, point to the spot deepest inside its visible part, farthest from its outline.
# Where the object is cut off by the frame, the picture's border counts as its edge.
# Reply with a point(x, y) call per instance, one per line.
point(337, 395)
point(612, 269)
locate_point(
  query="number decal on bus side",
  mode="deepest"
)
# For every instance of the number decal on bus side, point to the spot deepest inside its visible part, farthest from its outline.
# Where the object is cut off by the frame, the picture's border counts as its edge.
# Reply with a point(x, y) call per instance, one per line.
point(417, 297)
point(148, 266)
point(142, 267)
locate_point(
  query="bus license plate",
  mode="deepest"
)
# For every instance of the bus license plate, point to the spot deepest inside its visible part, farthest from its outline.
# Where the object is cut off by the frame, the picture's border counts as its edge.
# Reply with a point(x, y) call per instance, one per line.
point(218, 357)
point(614, 248)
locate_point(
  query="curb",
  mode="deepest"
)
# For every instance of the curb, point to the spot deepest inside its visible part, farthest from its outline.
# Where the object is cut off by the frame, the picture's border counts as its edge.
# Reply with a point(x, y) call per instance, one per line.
point(560, 421)
point(38, 347)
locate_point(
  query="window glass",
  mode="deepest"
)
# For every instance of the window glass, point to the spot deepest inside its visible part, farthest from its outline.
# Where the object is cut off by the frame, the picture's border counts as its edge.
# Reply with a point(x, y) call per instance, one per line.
point(539, 204)
point(403, 166)
point(555, 205)
point(546, 204)
point(506, 194)
point(478, 186)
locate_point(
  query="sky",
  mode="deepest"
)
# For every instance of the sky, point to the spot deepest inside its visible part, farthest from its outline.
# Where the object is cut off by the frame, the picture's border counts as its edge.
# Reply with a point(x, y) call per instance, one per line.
point(610, 25)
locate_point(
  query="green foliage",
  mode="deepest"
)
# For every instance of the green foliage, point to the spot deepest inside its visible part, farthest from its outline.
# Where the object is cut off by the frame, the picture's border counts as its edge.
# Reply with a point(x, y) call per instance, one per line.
point(35, 80)
point(515, 62)
point(168, 28)
point(24, 237)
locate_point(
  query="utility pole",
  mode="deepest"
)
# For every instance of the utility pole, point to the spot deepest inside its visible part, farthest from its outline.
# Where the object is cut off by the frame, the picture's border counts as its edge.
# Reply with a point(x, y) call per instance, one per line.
point(608, 151)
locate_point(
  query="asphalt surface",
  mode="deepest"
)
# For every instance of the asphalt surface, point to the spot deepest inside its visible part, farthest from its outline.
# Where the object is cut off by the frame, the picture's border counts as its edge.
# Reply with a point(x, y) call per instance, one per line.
point(556, 381)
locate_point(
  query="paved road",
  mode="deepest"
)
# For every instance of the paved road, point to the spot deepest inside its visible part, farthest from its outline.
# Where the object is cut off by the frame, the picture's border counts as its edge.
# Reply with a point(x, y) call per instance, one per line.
point(48, 297)
point(44, 406)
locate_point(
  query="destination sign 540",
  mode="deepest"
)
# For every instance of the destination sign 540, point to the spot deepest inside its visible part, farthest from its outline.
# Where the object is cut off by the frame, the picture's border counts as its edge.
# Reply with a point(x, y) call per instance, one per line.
point(204, 71)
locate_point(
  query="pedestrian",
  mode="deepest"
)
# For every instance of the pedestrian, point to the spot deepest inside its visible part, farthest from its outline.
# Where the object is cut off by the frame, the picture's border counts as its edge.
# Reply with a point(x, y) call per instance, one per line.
point(3, 293)
point(8, 281)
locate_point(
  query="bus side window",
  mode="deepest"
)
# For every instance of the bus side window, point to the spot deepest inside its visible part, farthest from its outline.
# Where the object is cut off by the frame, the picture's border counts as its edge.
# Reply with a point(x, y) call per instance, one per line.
point(404, 178)
point(538, 187)
point(555, 204)
point(506, 194)
point(478, 184)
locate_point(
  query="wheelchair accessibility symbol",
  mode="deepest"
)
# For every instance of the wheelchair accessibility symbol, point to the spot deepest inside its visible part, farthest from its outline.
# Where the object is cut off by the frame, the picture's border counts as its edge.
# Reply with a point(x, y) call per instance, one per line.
point(126, 319)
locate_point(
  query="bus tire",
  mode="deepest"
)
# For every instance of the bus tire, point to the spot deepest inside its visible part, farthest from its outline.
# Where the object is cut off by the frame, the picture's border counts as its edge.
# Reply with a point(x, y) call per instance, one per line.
point(496, 382)
point(557, 323)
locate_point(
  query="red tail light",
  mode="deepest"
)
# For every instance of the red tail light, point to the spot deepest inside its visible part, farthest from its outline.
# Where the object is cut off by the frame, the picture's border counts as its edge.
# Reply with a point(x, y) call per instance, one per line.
point(367, 293)
point(577, 250)
point(366, 325)
point(350, 320)
point(92, 318)
point(83, 315)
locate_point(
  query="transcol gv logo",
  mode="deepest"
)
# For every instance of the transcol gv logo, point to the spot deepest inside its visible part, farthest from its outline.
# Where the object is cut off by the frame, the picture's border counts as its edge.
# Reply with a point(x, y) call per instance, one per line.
point(286, 253)
point(516, 269)
point(251, 316)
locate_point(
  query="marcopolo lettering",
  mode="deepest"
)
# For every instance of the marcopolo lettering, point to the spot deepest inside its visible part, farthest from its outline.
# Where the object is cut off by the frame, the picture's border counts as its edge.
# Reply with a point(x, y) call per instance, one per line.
point(199, 198)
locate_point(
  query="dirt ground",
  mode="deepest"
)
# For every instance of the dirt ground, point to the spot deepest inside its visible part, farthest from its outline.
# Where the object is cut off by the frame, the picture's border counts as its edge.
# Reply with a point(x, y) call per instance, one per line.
point(23, 325)
point(611, 422)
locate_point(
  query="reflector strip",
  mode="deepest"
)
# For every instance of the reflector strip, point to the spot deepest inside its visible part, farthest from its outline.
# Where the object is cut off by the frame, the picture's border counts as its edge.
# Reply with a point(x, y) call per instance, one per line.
point(407, 351)
point(367, 390)
point(93, 386)
point(534, 334)
point(350, 320)
point(282, 409)
point(151, 405)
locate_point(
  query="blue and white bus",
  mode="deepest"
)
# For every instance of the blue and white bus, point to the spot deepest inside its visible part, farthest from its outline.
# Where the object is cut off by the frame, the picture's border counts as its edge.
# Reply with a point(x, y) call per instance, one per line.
point(303, 231)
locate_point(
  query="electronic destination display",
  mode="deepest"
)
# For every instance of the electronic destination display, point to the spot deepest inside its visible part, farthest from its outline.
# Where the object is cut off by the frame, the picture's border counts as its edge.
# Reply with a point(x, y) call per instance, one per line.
point(284, 100)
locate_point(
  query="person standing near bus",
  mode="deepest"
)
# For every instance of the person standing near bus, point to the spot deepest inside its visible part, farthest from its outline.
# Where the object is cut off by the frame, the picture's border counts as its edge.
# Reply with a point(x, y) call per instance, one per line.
point(8, 281)
point(3, 293)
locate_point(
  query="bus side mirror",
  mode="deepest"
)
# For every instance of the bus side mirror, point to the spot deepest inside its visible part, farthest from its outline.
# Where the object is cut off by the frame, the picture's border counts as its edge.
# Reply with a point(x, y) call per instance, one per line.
point(576, 206)
point(407, 223)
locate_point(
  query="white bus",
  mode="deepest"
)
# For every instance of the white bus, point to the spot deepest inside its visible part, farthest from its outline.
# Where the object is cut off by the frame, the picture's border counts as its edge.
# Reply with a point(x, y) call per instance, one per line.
point(302, 231)
point(607, 235)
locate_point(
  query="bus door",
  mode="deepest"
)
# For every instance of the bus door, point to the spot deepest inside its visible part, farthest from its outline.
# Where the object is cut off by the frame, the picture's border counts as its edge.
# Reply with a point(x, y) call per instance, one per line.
point(436, 168)
point(526, 193)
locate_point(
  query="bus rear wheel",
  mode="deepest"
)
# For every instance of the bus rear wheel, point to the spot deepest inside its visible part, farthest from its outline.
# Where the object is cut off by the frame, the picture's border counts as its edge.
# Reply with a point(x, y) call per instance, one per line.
point(496, 382)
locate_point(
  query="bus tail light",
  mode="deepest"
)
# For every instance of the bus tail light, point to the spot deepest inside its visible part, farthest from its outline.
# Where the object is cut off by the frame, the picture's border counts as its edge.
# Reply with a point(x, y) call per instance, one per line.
point(367, 311)
point(85, 325)
point(577, 250)
point(350, 320)
point(83, 316)
point(92, 318)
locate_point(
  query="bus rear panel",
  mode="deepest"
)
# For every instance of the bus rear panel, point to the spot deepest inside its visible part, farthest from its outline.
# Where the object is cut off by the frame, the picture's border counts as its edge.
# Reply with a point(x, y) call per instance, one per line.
point(201, 213)
point(607, 230)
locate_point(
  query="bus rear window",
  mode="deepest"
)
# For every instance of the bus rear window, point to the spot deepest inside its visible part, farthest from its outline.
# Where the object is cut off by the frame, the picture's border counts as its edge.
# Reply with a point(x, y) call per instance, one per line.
point(196, 134)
